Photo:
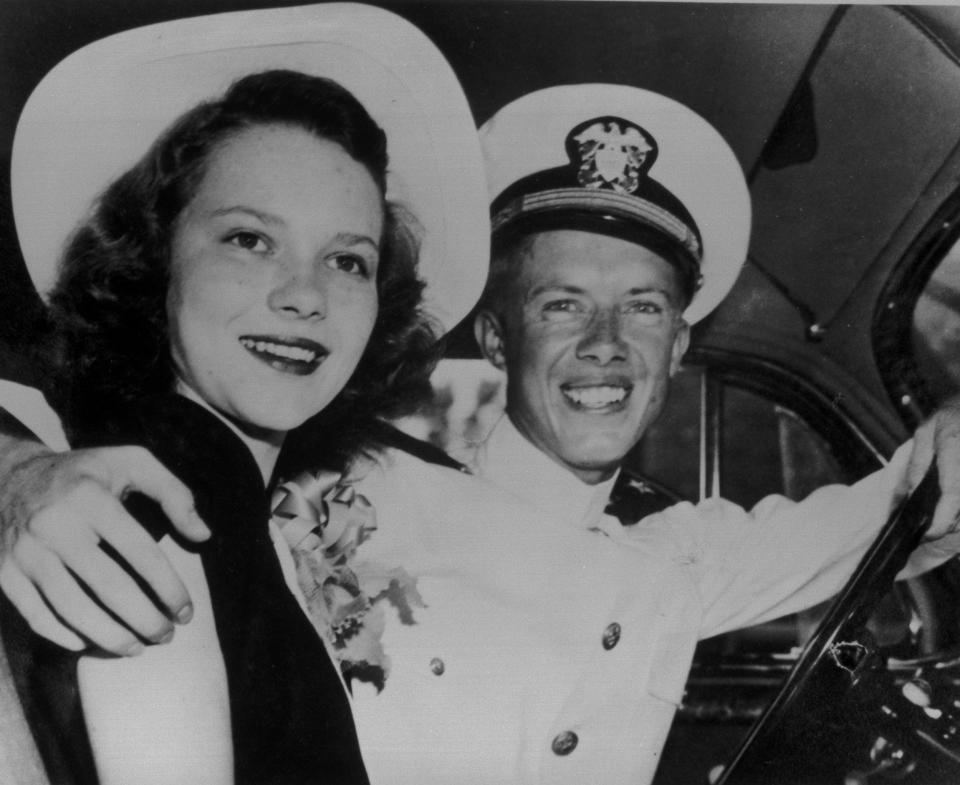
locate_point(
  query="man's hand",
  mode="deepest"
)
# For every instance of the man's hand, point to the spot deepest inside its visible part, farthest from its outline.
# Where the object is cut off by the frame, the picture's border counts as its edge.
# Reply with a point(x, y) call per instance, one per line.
point(55, 511)
point(940, 437)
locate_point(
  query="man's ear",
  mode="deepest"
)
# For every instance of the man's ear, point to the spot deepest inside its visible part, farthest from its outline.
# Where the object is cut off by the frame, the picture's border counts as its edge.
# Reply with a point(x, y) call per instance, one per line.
point(489, 334)
point(681, 342)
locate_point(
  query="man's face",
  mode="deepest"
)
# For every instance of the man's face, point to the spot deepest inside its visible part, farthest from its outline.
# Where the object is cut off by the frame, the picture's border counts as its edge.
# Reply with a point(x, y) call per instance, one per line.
point(589, 334)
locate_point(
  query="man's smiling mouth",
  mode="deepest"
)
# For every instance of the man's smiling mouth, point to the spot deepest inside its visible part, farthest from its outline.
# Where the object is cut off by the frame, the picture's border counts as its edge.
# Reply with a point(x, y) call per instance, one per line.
point(298, 356)
point(596, 397)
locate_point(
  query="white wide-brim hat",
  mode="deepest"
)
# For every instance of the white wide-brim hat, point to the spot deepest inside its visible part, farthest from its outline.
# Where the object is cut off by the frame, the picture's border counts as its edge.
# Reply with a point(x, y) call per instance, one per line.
point(98, 111)
point(530, 173)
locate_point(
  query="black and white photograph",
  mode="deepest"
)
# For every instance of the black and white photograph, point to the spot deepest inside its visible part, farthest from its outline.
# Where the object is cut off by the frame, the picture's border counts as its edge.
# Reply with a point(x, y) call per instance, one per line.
point(479, 392)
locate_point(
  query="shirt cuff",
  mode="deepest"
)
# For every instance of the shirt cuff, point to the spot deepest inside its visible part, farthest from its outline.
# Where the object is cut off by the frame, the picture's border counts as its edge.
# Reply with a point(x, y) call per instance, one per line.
point(30, 407)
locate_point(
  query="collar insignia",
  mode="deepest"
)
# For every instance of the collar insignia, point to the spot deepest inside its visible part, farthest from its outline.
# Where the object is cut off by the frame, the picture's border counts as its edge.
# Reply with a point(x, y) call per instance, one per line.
point(639, 485)
point(611, 153)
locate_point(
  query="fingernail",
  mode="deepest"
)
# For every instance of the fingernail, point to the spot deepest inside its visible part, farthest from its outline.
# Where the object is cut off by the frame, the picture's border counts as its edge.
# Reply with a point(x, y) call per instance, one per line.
point(134, 649)
point(197, 522)
point(184, 615)
point(166, 637)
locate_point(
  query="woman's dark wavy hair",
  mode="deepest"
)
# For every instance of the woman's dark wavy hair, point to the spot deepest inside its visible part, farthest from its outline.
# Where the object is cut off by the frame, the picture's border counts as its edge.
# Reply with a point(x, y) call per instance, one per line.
point(110, 299)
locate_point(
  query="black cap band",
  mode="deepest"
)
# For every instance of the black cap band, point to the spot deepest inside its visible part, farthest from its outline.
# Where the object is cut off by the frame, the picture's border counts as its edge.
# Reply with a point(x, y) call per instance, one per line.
point(624, 227)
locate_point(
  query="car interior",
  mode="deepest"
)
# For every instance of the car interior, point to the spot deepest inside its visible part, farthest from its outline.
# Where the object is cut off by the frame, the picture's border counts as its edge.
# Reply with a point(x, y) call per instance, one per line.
point(841, 334)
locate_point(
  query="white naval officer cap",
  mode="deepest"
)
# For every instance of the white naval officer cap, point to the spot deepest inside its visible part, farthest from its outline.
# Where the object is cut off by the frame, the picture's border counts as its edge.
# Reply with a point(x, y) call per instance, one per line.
point(625, 161)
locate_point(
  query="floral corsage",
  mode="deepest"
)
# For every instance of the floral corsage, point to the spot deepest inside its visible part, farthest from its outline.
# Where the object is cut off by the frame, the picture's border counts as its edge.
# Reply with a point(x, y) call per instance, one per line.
point(324, 521)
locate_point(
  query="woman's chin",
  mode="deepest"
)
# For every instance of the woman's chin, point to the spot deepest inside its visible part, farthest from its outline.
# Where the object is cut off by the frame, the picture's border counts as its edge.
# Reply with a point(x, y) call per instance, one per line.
point(267, 410)
point(259, 416)
point(272, 424)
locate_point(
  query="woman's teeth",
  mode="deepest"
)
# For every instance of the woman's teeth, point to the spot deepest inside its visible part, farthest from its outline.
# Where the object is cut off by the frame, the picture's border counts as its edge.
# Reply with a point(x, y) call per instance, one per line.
point(596, 397)
point(283, 351)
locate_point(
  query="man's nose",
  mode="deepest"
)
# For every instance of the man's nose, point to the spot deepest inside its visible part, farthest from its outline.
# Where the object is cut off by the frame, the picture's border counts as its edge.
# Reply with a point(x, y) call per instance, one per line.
point(603, 342)
point(300, 291)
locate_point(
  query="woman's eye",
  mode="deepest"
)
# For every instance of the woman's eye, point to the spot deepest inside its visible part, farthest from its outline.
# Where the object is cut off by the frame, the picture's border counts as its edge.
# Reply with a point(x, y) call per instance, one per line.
point(248, 241)
point(350, 263)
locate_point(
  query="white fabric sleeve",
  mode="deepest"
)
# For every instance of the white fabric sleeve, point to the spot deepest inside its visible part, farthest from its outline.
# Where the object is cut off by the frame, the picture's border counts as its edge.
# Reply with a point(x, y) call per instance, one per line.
point(784, 556)
point(163, 716)
point(31, 408)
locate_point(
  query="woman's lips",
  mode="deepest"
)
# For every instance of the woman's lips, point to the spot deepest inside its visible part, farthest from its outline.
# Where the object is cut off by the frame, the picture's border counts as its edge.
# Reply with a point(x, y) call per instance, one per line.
point(299, 356)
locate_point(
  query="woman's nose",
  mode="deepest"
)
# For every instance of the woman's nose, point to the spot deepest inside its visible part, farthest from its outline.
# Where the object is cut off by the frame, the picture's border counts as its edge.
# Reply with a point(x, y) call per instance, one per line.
point(603, 340)
point(301, 293)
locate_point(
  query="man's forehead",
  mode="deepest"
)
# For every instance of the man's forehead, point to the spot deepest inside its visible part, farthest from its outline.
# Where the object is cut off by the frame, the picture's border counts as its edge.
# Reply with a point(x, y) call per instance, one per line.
point(574, 259)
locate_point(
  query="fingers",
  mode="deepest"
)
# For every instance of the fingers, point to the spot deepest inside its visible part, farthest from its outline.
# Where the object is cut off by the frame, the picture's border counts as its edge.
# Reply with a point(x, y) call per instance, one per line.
point(62, 511)
point(116, 590)
point(922, 455)
point(62, 591)
point(939, 437)
point(34, 610)
point(134, 468)
point(147, 561)
point(947, 447)
point(945, 516)
point(78, 547)
point(947, 512)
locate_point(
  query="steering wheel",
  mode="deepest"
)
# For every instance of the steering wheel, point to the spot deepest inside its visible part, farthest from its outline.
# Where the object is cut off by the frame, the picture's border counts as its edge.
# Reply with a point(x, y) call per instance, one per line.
point(840, 705)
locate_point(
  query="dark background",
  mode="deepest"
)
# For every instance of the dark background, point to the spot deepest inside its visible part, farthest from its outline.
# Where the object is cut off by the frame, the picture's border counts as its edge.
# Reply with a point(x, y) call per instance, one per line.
point(500, 50)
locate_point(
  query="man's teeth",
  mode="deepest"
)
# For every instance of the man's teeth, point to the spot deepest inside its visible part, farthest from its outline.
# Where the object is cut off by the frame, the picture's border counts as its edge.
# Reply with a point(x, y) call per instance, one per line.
point(281, 350)
point(602, 395)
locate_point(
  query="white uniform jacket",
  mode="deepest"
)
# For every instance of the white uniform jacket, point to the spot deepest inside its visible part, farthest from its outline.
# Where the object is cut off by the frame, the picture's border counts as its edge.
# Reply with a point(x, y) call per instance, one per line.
point(549, 644)
point(555, 643)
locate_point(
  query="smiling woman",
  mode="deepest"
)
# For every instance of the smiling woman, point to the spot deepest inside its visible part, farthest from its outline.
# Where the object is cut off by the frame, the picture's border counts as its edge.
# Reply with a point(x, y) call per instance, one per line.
point(228, 287)
point(271, 234)
point(266, 221)
point(273, 291)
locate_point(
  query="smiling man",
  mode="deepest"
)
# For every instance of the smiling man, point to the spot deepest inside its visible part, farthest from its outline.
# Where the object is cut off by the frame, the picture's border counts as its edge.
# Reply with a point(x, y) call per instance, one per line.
point(588, 346)
point(598, 269)
point(552, 647)
point(559, 645)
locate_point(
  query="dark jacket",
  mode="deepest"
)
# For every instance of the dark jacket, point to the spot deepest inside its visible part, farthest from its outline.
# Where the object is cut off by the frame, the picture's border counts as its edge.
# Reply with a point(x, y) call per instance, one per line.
point(291, 719)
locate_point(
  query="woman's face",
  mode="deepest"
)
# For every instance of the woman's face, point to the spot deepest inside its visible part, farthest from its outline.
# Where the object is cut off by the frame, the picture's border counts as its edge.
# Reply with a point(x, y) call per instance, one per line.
point(273, 277)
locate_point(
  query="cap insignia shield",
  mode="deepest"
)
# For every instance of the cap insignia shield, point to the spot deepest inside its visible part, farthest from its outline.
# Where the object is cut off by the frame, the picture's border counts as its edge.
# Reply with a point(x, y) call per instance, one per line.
point(611, 153)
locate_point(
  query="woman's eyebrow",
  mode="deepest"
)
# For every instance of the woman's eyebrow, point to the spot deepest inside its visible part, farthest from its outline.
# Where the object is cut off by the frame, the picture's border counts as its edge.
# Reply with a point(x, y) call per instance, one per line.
point(266, 218)
point(348, 238)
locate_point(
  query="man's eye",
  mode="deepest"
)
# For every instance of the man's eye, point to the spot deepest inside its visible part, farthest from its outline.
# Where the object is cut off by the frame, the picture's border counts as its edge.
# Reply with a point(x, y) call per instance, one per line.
point(248, 241)
point(350, 263)
point(644, 307)
point(562, 306)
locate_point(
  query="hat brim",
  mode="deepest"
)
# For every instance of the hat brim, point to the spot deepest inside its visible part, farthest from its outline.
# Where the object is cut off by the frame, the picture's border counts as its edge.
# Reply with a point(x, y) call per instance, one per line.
point(98, 111)
point(694, 163)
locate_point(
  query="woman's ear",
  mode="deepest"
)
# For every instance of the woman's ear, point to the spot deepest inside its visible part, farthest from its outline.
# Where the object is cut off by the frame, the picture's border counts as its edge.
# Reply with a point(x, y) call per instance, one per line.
point(488, 332)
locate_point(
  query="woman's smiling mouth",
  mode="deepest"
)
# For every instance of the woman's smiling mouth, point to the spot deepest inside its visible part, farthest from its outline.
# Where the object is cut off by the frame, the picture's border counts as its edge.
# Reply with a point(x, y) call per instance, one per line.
point(298, 356)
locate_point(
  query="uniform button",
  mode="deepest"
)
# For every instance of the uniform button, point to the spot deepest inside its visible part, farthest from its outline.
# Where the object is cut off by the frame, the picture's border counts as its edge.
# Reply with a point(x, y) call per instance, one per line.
point(437, 666)
point(564, 742)
point(611, 636)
